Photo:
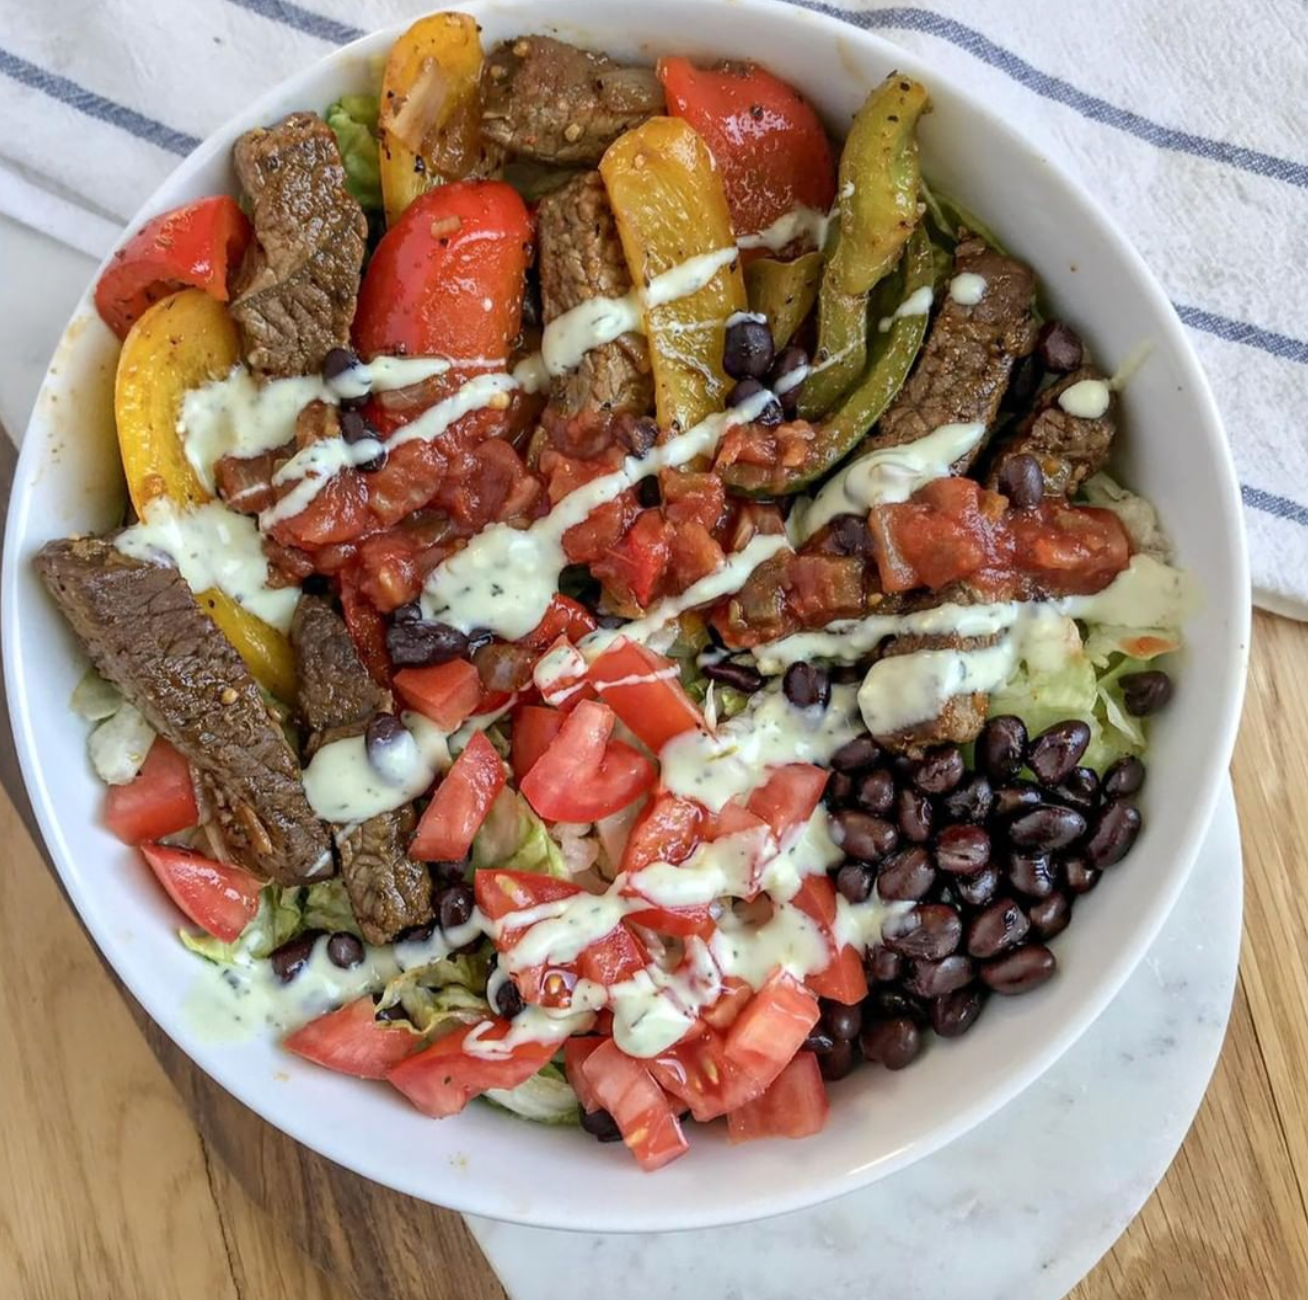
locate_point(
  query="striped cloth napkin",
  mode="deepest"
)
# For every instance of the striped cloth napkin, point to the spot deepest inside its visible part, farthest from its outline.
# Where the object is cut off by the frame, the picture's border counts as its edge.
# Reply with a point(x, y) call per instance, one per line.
point(1192, 128)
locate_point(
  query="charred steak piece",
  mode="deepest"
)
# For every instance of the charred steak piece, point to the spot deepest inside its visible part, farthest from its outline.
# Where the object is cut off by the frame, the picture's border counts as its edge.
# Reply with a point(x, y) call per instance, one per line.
point(581, 258)
point(388, 890)
point(144, 631)
point(969, 354)
point(548, 100)
point(962, 717)
point(1068, 448)
point(295, 292)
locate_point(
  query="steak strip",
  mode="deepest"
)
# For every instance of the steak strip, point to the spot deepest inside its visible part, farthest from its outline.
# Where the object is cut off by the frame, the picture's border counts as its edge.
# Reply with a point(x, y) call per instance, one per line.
point(145, 632)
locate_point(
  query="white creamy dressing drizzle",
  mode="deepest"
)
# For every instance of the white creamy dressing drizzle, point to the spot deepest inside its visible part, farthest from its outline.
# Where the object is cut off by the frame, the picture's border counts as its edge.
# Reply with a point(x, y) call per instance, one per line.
point(801, 222)
point(918, 303)
point(967, 288)
point(890, 475)
point(343, 785)
point(311, 469)
point(1087, 399)
point(211, 547)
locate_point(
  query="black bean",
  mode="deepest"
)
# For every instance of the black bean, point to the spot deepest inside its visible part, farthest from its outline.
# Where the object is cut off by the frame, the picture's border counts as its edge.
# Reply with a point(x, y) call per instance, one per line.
point(892, 1043)
point(849, 535)
point(508, 1001)
point(420, 644)
point(345, 950)
point(884, 965)
point(1059, 347)
point(771, 413)
point(356, 427)
point(962, 850)
point(1081, 877)
point(906, 876)
point(384, 731)
point(337, 362)
point(409, 613)
point(1147, 692)
point(973, 801)
point(940, 770)
point(417, 933)
point(913, 812)
point(1052, 915)
point(1021, 481)
point(807, 686)
point(448, 872)
point(1080, 789)
point(1019, 971)
point(1021, 796)
point(740, 677)
point(1114, 832)
point(600, 1124)
point(875, 792)
point(289, 960)
point(747, 351)
point(1056, 751)
point(533, 311)
point(928, 932)
point(840, 789)
point(978, 890)
point(838, 1062)
point(842, 1022)
point(1026, 379)
point(1001, 747)
point(648, 492)
point(1034, 874)
point(1001, 926)
point(454, 906)
point(933, 979)
point(819, 1042)
point(955, 1013)
point(1126, 776)
point(854, 882)
point(1047, 827)
point(891, 1004)
point(856, 754)
point(788, 360)
point(863, 836)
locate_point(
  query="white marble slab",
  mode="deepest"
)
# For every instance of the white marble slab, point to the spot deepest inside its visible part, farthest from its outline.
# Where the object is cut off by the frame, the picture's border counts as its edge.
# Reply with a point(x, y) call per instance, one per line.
point(1022, 1207)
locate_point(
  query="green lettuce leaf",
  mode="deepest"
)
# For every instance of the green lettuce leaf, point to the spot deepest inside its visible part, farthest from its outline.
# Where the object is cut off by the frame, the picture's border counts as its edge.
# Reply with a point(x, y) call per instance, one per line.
point(326, 906)
point(449, 989)
point(353, 120)
point(118, 746)
point(513, 838)
point(276, 921)
point(1137, 515)
point(95, 699)
point(545, 1098)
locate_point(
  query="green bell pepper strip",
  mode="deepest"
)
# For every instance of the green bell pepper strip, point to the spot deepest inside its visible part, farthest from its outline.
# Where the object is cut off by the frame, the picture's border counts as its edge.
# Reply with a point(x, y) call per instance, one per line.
point(784, 292)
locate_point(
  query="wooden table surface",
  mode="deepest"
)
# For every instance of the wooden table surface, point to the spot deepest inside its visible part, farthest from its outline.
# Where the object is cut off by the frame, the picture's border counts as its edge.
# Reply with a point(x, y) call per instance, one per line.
point(126, 1174)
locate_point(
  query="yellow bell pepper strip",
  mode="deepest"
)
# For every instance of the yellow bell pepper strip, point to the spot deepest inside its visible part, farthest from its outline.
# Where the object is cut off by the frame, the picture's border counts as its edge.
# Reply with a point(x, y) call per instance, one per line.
point(670, 207)
point(430, 108)
point(784, 292)
point(179, 344)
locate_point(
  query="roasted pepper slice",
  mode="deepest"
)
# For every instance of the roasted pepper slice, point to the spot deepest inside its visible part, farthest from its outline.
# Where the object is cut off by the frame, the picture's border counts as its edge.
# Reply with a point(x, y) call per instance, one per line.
point(670, 207)
point(784, 292)
point(185, 341)
point(430, 108)
point(841, 352)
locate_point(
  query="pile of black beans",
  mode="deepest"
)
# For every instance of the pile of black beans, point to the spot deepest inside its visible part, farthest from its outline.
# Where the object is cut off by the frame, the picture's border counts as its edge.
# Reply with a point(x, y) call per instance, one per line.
point(992, 861)
point(750, 358)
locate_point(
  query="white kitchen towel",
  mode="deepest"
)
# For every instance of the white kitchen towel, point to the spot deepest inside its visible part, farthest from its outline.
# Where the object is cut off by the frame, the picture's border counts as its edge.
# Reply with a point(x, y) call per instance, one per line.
point(1189, 121)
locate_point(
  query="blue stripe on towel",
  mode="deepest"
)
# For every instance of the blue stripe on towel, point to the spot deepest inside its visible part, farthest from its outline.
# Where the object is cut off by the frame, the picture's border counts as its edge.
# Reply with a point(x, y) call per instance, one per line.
point(302, 19)
point(1270, 504)
point(1238, 331)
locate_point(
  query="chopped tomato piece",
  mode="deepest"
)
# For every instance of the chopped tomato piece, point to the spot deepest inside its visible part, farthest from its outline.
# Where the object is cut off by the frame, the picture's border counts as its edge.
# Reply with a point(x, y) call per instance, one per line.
point(446, 693)
point(534, 729)
point(789, 796)
point(565, 617)
point(443, 1078)
point(693, 497)
point(576, 1051)
point(560, 676)
point(628, 1091)
point(635, 565)
point(460, 804)
point(697, 1072)
point(667, 831)
point(644, 689)
point(735, 995)
point(218, 897)
point(499, 892)
point(764, 1038)
point(158, 801)
point(844, 980)
point(615, 958)
point(683, 922)
point(353, 1041)
point(584, 775)
point(198, 244)
point(795, 1106)
point(732, 819)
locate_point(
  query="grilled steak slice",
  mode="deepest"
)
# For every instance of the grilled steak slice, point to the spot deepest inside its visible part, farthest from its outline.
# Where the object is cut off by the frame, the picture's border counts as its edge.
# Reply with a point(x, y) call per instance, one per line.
point(1069, 448)
point(962, 717)
point(581, 258)
point(144, 631)
point(969, 354)
point(295, 292)
point(388, 890)
point(544, 99)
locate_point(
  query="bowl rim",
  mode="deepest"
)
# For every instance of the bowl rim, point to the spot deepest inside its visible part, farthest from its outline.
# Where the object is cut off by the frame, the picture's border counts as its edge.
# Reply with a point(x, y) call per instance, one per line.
point(652, 1215)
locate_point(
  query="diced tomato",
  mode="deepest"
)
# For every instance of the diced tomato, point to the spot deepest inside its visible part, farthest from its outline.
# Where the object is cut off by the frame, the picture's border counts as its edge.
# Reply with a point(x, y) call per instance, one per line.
point(789, 796)
point(732, 819)
point(635, 565)
point(764, 1038)
point(576, 1052)
point(353, 1041)
point(693, 497)
point(534, 730)
point(820, 588)
point(697, 1071)
point(560, 676)
point(795, 1106)
point(158, 801)
point(844, 980)
point(446, 693)
point(735, 995)
point(683, 922)
point(505, 668)
point(667, 831)
point(769, 145)
point(367, 630)
point(198, 244)
point(339, 513)
point(693, 554)
point(584, 775)
point(220, 898)
point(644, 689)
point(443, 1078)
point(601, 530)
point(628, 1091)
point(500, 892)
point(565, 617)
point(460, 804)
point(616, 957)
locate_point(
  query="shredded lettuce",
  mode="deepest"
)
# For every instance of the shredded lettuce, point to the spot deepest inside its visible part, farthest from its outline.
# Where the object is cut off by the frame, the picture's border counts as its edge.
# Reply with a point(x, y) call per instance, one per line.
point(448, 989)
point(326, 906)
point(1137, 515)
point(118, 746)
point(276, 921)
point(353, 120)
point(514, 838)
point(545, 1098)
point(95, 699)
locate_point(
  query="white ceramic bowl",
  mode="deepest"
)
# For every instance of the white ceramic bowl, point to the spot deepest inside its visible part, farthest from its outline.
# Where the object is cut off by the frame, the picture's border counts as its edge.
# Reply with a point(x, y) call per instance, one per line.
point(1173, 450)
